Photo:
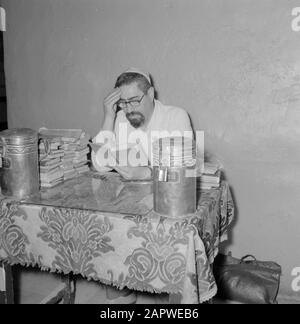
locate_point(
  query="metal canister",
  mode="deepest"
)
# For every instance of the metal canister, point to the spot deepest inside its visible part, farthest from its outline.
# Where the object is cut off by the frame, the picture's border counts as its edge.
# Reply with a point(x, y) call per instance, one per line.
point(174, 191)
point(174, 176)
point(19, 176)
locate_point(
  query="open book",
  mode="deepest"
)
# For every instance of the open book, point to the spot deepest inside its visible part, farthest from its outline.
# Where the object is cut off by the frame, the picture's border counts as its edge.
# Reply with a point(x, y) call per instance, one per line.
point(130, 156)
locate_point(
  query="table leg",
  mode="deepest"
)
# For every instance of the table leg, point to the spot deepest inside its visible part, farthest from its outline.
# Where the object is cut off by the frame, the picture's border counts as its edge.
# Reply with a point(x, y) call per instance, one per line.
point(6, 284)
point(70, 291)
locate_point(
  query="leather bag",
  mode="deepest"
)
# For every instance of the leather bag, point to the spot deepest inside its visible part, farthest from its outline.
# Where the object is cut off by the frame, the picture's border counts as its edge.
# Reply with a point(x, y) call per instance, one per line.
point(247, 280)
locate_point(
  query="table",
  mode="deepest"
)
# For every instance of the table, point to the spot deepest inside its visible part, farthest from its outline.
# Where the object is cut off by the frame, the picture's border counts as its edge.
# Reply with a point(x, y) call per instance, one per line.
point(105, 229)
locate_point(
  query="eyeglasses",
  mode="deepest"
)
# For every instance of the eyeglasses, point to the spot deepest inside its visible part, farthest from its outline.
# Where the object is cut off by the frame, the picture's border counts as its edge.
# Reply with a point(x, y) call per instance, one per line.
point(133, 103)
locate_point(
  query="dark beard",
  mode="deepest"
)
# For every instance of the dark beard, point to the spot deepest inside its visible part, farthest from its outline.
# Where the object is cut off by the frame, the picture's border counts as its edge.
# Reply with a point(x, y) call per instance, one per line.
point(136, 119)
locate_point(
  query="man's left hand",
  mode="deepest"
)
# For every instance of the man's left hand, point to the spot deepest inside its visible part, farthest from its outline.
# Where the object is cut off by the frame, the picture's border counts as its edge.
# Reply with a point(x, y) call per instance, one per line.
point(134, 173)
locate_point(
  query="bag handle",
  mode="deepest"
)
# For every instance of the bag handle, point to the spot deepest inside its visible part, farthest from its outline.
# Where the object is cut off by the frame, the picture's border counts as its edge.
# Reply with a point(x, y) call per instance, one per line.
point(244, 258)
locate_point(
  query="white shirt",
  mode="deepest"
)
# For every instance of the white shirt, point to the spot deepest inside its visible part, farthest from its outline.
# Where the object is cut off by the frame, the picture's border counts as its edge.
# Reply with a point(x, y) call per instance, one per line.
point(166, 121)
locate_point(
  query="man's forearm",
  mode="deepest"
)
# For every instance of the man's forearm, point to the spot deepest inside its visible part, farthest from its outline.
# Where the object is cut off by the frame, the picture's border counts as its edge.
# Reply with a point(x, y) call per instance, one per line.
point(142, 173)
point(134, 173)
point(108, 124)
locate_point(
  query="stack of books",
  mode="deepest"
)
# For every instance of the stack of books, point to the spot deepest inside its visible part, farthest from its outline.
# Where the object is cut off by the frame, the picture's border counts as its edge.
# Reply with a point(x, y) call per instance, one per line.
point(70, 149)
point(50, 161)
point(75, 159)
point(210, 178)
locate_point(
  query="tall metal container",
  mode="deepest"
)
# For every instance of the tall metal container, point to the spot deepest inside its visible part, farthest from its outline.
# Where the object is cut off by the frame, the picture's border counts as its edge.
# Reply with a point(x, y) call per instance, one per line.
point(174, 176)
point(174, 191)
point(19, 176)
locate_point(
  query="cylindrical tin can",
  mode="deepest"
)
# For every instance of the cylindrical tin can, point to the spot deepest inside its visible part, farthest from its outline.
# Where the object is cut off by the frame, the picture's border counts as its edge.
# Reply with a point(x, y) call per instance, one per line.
point(20, 171)
point(174, 176)
point(174, 191)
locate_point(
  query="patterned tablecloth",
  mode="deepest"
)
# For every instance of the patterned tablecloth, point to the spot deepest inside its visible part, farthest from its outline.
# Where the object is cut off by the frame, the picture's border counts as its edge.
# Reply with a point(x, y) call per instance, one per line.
point(105, 229)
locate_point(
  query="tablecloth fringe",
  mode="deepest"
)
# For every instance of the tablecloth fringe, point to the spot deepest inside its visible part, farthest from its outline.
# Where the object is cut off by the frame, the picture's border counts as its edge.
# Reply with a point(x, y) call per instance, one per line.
point(208, 296)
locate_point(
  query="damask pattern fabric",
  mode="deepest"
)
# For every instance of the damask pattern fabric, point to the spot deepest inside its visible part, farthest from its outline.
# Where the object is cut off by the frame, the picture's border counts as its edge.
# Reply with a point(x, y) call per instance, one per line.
point(142, 251)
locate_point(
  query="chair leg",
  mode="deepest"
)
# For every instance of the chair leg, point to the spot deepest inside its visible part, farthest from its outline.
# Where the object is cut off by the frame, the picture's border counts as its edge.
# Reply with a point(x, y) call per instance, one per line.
point(64, 292)
point(56, 295)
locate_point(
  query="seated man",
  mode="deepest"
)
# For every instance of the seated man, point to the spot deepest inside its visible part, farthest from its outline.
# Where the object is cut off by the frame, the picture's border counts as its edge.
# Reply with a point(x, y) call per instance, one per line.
point(131, 116)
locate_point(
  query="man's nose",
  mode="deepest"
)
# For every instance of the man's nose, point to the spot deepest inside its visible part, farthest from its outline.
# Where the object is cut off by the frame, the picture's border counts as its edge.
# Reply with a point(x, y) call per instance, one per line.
point(129, 109)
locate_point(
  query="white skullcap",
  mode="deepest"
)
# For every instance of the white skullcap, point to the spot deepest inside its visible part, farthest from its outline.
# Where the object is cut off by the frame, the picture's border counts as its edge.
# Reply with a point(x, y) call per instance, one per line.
point(138, 71)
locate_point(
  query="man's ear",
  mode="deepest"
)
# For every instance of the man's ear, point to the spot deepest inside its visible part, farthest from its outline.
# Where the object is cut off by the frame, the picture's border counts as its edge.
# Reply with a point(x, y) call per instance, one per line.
point(150, 93)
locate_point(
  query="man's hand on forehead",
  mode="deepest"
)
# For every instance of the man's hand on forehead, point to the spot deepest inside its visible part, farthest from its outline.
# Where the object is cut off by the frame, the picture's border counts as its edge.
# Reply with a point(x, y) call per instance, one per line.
point(110, 102)
point(114, 95)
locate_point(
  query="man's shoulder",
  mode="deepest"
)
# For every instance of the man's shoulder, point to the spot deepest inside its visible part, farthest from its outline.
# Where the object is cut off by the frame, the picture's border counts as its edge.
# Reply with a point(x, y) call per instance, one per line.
point(171, 111)
point(172, 118)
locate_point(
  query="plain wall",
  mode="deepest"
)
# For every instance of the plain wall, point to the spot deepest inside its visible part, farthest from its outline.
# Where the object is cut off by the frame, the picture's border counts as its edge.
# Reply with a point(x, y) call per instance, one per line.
point(234, 65)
